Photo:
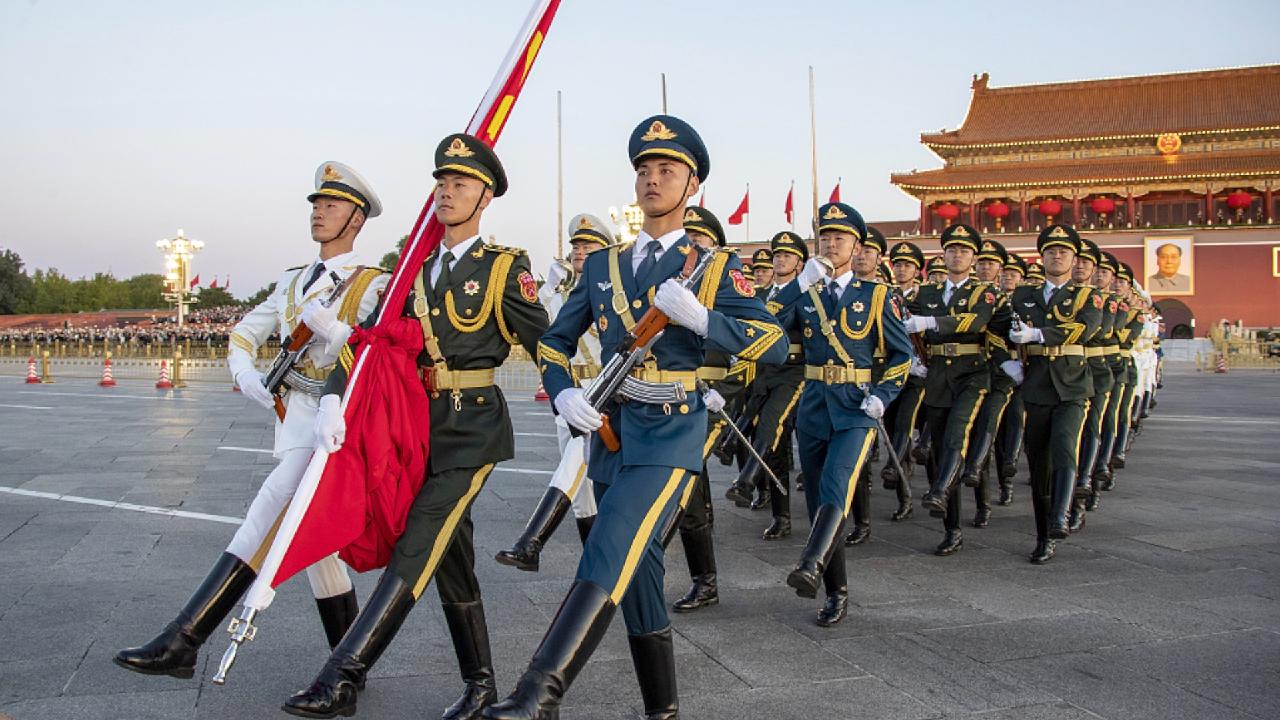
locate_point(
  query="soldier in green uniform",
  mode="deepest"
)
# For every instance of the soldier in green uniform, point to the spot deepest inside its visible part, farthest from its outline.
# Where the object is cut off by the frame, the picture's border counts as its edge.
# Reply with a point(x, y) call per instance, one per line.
point(1006, 373)
point(903, 413)
point(1008, 442)
point(1035, 273)
point(953, 315)
point(727, 382)
point(1105, 280)
point(1053, 323)
point(777, 390)
point(1127, 333)
point(936, 269)
point(474, 301)
point(1095, 349)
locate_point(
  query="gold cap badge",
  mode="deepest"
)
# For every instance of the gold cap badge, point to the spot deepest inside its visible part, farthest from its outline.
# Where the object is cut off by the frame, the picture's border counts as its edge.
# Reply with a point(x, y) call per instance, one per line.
point(834, 213)
point(585, 224)
point(960, 232)
point(1058, 232)
point(457, 148)
point(691, 215)
point(988, 246)
point(658, 131)
point(331, 175)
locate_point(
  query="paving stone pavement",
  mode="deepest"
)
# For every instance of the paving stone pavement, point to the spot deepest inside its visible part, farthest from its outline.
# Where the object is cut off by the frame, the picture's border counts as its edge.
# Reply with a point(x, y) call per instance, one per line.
point(1164, 607)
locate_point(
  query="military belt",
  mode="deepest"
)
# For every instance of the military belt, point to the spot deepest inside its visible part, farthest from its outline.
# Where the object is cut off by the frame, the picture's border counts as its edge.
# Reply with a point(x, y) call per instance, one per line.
point(794, 348)
point(658, 387)
point(1094, 351)
point(1126, 352)
point(954, 349)
point(585, 371)
point(1110, 349)
point(837, 374)
point(436, 380)
point(686, 379)
point(304, 384)
point(1051, 351)
point(709, 372)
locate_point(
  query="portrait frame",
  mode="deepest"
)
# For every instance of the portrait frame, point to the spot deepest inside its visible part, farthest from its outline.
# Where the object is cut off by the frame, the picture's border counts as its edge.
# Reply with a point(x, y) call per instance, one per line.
point(1184, 280)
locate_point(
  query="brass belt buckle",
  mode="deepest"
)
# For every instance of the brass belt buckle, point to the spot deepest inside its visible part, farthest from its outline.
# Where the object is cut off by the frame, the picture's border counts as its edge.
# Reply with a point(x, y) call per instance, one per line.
point(831, 374)
point(1052, 351)
point(950, 349)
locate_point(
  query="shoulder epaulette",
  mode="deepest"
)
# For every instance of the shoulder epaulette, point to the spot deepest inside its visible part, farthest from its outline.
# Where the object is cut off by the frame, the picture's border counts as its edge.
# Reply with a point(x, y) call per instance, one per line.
point(504, 249)
point(294, 268)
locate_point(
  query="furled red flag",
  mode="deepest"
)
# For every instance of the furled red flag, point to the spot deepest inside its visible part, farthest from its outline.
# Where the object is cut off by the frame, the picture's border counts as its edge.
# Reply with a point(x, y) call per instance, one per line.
point(195, 281)
point(359, 502)
point(214, 285)
point(702, 199)
point(790, 209)
point(227, 285)
point(744, 208)
point(835, 193)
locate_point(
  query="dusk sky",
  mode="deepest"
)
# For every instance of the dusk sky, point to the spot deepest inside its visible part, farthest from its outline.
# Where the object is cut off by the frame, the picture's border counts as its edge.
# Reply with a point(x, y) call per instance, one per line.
point(124, 121)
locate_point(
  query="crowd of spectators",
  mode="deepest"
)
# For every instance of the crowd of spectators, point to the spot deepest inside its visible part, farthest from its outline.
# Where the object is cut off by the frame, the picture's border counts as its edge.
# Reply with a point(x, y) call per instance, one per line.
point(207, 325)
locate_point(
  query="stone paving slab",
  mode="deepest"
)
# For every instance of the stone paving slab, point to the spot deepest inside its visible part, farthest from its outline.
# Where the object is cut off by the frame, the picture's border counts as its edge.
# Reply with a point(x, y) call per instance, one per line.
point(1166, 606)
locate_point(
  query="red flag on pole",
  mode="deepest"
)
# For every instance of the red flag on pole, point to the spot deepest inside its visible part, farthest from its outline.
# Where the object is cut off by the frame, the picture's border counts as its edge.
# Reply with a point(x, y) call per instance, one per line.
point(702, 199)
point(227, 285)
point(744, 208)
point(214, 285)
point(790, 209)
point(355, 501)
point(194, 282)
point(835, 193)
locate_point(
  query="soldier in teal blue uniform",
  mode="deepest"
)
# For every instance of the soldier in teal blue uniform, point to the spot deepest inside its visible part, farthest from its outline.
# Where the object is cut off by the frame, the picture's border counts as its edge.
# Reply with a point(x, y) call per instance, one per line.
point(662, 443)
point(844, 322)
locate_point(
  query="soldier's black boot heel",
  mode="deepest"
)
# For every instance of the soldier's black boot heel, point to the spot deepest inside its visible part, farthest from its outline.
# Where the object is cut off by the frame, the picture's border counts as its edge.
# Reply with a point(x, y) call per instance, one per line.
point(1063, 487)
point(835, 579)
point(740, 492)
point(828, 521)
point(575, 632)
point(700, 554)
point(335, 689)
point(526, 552)
point(470, 636)
point(655, 660)
point(174, 650)
point(336, 615)
point(948, 467)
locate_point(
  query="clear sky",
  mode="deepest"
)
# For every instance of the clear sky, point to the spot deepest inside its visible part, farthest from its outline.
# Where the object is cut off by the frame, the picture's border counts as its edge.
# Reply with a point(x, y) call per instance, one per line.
point(124, 121)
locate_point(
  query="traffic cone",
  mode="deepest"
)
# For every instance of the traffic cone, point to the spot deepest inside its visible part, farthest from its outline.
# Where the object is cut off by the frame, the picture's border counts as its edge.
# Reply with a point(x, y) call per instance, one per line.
point(107, 379)
point(1221, 368)
point(541, 395)
point(33, 377)
point(164, 383)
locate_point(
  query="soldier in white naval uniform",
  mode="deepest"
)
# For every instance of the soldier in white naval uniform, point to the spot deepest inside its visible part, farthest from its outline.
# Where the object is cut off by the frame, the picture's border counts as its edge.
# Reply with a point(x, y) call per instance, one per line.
point(341, 203)
point(587, 233)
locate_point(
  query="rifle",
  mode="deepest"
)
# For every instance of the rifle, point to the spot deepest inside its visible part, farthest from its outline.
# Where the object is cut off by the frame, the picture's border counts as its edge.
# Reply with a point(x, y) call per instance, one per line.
point(292, 348)
point(633, 349)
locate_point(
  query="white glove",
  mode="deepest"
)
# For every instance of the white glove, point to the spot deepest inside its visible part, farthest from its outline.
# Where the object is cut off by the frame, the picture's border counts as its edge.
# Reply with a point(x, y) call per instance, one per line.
point(813, 272)
point(920, 323)
point(331, 427)
point(555, 273)
point(918, 368)
point(682, 306)
point(713, 400)
point(1013, 369)
point(873, 407)
point(576, 411)
point(1024, 334)
point(250, 382)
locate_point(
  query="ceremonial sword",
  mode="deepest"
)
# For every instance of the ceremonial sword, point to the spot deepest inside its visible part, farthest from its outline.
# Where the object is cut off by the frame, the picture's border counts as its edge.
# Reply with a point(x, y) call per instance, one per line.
point(702, 388)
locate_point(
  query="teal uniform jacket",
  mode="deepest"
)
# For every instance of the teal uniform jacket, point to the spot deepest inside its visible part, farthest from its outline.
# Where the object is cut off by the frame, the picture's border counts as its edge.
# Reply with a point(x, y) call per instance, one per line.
point(864, 320)
point(738, 324)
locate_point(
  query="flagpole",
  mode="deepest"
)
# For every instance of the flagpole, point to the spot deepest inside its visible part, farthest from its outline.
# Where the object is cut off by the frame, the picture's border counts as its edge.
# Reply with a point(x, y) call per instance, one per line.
point(559, 179)
point(748, 212)
point(664, 93)
point(791, 194)
point(813, 149)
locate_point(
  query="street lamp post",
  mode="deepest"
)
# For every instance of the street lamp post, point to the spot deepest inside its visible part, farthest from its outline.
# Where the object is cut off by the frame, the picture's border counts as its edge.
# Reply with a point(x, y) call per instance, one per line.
point(178, 252)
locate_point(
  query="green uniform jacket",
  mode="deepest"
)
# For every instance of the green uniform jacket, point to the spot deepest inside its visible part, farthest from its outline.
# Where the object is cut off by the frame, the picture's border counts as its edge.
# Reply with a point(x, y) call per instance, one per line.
point(1103, 377)
point(963, 320)
point(1070, 317)
point(490, 304)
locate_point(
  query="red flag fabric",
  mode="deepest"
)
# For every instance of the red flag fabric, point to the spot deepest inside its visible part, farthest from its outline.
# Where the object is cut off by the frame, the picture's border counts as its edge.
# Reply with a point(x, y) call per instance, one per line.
point(382, 376)
point(790, 209)
point(227, 285)
point(214, 284)
point(382, 463)
point(744, 208)
point(194, 282)
point(835, 194)
point(702, 199)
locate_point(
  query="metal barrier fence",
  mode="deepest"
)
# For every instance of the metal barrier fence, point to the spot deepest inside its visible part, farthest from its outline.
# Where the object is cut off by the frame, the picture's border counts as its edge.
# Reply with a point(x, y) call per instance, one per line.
point(1240, 349)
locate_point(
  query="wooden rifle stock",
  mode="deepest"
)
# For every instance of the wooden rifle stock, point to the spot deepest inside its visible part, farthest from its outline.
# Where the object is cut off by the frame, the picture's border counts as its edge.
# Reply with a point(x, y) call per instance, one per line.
point(298, 339)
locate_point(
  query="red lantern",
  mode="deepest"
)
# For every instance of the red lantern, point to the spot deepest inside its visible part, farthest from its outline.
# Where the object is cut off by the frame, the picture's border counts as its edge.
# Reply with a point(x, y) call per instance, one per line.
point(1103, 205)
point(948, 212)
point(1239, 201)
point(1050, 209)
point(998, 211)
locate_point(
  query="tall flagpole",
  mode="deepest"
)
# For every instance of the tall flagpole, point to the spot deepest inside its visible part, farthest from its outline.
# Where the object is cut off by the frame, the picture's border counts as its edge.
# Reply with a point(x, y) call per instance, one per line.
point(559, 179)
point(813, 150)
point(664, 93)
point(748, 212)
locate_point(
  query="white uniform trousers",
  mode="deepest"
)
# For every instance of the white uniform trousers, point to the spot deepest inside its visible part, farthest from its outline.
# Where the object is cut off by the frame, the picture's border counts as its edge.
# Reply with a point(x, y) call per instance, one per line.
point(571, 475)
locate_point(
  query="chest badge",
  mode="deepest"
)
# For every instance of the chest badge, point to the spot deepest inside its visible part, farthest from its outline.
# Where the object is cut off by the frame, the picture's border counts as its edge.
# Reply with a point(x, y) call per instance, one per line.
point(858, 306)
point(808, 308)
point(471, 287)
point(808, 332)
point(963, 302)
point(931, 306)
point(604, 286)
point(604, 323)
point(1028, 304)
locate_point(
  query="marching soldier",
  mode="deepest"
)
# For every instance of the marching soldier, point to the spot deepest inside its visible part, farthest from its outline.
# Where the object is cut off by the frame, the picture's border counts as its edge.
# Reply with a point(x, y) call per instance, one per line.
point(1086, 271)
point(762, 268)
point(1130, 337)
point(587, 234)
point(1055, 321)
point(953, 315)
point(1105, 276)
point(1008, 442)
point(844, 321)
point(1035, 273)
point(903, 413)
point(1115, 430)
point(778, 388)
point(936, 270)
point(1006, 373)
point(340, 205)
point(727, 382)
point(474, 301)
point(661, 427)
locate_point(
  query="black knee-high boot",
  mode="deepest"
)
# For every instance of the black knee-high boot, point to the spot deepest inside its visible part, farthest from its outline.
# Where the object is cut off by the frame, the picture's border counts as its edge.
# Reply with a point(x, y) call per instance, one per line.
point(524, 555)
point(824, 536)
point(654, 658)
point(336, 614)
point(470, 636)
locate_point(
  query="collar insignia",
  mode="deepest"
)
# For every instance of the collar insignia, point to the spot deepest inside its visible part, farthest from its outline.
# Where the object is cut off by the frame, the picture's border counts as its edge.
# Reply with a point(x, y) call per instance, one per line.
point(658, 131)
point(457, 148)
